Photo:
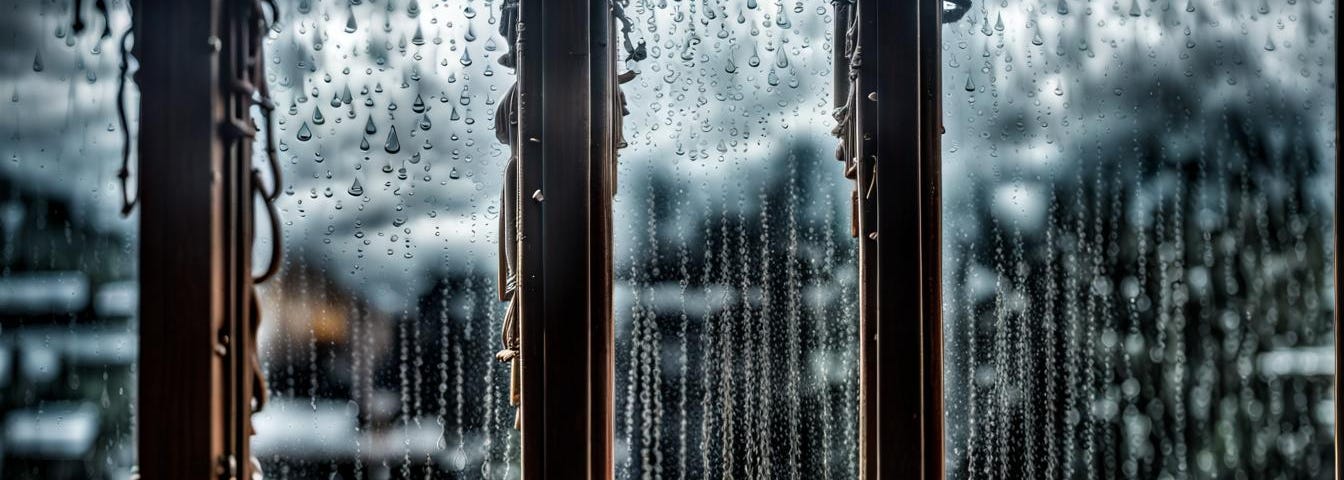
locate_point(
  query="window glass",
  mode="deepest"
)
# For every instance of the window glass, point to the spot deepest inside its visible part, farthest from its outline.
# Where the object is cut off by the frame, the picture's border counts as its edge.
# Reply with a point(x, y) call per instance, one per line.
point(736, 297)
point(1137, 222)
point(378, 336)
point(68, 290)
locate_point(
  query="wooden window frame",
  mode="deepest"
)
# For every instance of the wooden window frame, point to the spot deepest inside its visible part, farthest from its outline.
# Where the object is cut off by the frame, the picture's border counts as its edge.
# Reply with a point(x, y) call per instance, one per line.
point(195, 235)
point(196, 216)
point(195, 376)
point(897, 125)
point(566, 179)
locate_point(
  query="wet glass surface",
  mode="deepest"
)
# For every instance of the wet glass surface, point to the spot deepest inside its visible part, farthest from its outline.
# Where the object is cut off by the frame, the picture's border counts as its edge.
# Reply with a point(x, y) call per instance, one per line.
point(736, 298)
point(1137, 221)
point(378, 336)
point(68, 289)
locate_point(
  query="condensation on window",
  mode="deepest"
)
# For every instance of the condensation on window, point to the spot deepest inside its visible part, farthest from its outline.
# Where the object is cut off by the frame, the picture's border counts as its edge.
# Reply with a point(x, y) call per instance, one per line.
point(736, 296)
point(1137, 221)
point(378, 336)
point(68, 289)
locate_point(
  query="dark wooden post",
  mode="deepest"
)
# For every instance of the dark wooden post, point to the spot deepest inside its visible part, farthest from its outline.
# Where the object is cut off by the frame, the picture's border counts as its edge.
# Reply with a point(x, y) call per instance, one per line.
point(930, 93)
point(864, 118)
point(865, 156)
point(182, 240)
point(602, 178)
point(195, 190)
point(564, 123)
point(898, 123)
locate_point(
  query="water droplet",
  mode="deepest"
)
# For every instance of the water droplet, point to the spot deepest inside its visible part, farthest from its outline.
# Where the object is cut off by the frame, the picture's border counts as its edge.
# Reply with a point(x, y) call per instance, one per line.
point(304, 133)
point(356, 189)
point(369, 127)
point(392, 145)
point(318, 119)
point(37, 62)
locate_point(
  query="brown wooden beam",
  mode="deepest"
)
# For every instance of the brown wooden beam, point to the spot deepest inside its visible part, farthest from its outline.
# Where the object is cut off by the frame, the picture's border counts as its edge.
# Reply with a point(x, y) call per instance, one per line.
point(238, 66)
point(605, 115)
point(930, 19)
point(198, 60)
point(182, 188)
point(564, 249)
point(899, 124)
point(531, 269)
point(900, 375)
point(865, 121)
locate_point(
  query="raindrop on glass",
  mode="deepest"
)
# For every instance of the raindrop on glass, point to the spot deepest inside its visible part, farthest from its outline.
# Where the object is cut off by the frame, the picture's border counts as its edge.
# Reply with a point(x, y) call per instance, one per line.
point(392, 145)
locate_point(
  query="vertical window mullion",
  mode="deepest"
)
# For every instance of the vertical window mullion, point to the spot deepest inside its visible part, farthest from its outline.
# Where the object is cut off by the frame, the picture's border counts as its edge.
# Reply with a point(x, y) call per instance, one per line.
point(563, 198)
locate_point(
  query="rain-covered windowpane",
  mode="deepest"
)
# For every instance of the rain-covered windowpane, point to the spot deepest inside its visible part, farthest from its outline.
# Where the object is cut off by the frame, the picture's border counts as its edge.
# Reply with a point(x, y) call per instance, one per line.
point(68, 290)
point(1137, 221)
point(736, 299)
point(378, 336)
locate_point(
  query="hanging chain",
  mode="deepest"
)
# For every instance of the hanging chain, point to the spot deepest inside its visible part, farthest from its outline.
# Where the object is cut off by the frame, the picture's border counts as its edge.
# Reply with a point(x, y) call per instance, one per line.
point(77, 26)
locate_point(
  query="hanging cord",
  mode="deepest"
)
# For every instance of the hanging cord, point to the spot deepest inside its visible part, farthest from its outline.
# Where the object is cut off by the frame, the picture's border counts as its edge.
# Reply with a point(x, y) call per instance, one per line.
point(258, 92)
point(128, 202)
point(262, 99)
